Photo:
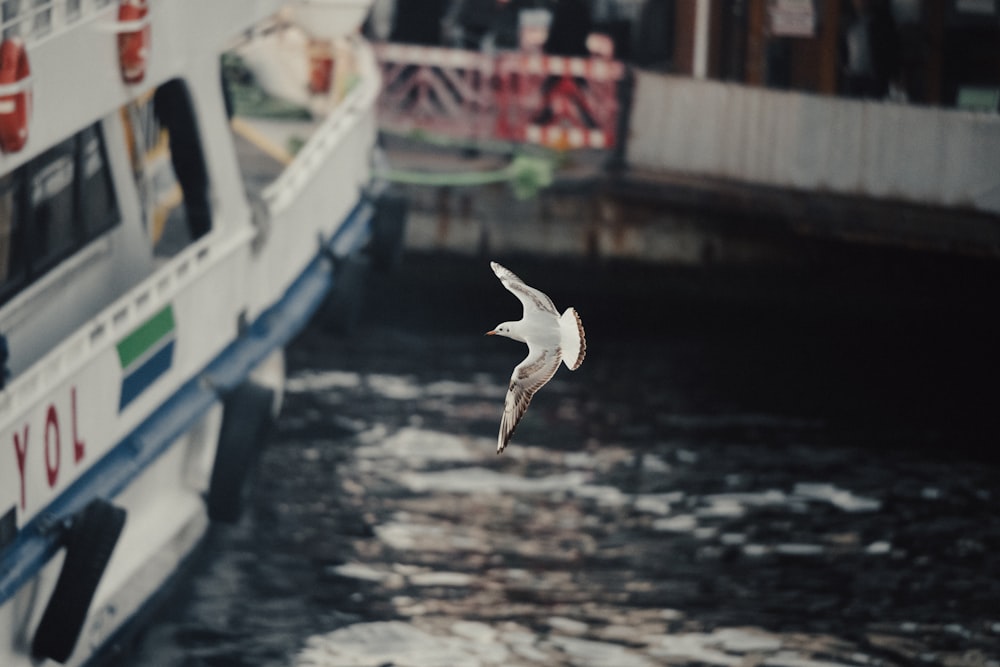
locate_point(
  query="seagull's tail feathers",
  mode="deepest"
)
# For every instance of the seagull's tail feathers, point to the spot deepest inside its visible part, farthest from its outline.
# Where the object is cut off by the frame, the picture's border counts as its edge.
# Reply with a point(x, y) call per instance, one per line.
point(572, 339)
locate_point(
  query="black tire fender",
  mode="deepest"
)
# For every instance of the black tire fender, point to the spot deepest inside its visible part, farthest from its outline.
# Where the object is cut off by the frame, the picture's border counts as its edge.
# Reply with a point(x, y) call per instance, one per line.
point(388, 231)
point(247, 417)
point(341, 310)
point(90, 539)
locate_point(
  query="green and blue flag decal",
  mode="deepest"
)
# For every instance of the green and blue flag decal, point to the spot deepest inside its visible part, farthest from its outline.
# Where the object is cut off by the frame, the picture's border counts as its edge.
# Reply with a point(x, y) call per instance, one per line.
point(146, 354)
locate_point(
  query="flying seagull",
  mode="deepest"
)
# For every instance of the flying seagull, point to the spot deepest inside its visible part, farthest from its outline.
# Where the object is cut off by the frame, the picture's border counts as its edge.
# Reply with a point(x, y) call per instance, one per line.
point(551, 338)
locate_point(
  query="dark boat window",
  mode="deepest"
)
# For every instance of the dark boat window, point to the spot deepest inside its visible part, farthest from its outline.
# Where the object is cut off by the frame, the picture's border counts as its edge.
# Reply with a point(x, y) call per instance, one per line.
point(97, 206)
point(12, 258)
point(53, 206)
point(50, 184)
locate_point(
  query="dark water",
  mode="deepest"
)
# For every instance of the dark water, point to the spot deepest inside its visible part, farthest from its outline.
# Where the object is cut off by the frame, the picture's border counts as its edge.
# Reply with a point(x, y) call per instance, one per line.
point(789, 468)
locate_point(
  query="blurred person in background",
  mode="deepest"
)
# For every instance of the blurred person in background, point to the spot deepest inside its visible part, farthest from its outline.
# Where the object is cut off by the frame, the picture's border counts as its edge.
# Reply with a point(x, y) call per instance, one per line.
point(869, 49)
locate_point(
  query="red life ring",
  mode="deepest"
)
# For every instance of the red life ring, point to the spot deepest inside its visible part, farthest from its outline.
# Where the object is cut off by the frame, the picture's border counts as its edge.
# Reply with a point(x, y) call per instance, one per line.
point(320, 67)
point(15, 95)
point(133, 42)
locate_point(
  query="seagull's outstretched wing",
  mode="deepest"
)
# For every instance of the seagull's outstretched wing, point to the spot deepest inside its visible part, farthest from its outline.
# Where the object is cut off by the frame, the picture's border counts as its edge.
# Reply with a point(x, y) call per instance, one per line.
point(530, 298)
point(528, 377)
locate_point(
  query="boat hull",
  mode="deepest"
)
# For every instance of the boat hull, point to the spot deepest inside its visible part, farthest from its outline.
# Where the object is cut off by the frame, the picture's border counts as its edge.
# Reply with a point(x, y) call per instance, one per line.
point(128, 411)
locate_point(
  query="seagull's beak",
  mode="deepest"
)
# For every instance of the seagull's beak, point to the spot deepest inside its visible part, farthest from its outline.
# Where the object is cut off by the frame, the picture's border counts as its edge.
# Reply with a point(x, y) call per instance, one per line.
point(491, 333)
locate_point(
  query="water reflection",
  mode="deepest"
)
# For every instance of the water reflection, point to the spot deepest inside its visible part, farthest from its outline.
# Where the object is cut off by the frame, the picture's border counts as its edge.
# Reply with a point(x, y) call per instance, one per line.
point(582, 557)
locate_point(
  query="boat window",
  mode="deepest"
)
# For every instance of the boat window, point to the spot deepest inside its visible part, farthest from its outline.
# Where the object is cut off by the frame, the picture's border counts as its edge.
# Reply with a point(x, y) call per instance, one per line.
point(51, 207)
point(175, 110)
point(97, 204)
point(73, 9)
point(50, 184)
point(169, 166)
point(12, 264)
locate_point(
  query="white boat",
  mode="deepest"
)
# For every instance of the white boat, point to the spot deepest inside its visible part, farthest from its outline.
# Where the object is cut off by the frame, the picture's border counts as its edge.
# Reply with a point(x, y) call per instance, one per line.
point(143, 317)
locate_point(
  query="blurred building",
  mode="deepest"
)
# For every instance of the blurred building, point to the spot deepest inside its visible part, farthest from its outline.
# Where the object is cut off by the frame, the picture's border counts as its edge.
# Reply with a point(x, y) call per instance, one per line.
point(937, 52)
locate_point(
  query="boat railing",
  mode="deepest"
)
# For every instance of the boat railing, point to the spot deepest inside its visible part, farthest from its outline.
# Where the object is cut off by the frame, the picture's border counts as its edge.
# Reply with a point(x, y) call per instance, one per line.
point(507, 96)
point(326, 136)
point(39, 19)
point(110, 325)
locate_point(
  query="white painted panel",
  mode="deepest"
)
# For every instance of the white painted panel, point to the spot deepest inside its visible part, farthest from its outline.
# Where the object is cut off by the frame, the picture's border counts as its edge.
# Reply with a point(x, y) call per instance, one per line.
point(809, 142)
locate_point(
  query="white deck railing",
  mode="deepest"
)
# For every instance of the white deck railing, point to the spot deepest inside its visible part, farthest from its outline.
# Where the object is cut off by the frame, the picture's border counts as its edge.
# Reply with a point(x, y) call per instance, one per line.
point(32, 20)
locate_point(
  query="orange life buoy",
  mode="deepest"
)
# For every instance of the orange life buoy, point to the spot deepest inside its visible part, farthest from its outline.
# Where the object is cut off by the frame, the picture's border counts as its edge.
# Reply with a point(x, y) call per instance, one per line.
point(320, 67)
point(133, 42)
point(15, 95)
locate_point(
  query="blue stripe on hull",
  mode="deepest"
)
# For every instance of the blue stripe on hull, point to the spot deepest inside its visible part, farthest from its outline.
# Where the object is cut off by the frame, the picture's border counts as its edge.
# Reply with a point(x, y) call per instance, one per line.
point(148, 372)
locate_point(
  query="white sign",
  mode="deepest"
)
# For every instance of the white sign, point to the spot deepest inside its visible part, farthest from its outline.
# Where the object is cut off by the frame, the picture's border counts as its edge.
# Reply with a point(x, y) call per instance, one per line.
point(984, 7)
point(792, 18)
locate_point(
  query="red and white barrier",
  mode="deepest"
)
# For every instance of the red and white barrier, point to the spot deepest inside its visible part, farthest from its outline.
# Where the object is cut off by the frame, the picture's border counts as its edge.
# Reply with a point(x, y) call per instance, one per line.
point(440, 91)
point(561, 102)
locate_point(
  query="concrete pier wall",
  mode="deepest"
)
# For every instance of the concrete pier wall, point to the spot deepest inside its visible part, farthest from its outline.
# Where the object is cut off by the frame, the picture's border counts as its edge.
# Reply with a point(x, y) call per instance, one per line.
point(580, 221)
point(919, 155)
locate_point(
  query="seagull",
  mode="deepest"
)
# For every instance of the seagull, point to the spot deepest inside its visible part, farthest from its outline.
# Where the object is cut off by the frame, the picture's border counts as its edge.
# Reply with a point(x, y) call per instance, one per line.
point(550, 337)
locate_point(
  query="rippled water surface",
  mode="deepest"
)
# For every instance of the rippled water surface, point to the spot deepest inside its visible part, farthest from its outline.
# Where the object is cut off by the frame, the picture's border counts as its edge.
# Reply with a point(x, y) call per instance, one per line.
point(746, 470)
